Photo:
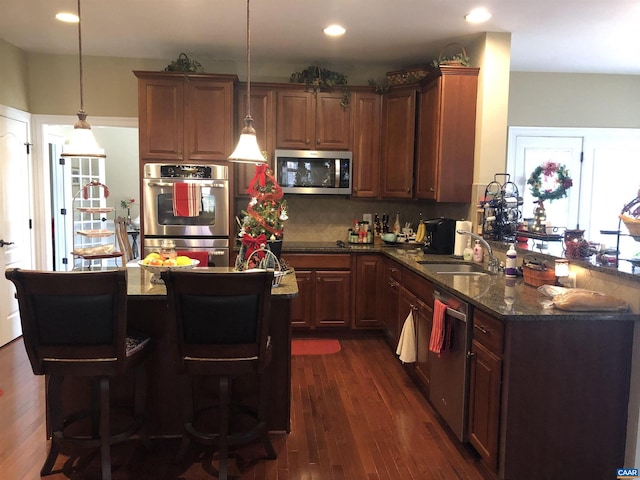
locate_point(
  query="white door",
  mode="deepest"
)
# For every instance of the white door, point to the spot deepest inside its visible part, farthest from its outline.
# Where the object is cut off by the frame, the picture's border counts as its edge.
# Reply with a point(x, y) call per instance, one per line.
point(15, 216)
point(528, 152)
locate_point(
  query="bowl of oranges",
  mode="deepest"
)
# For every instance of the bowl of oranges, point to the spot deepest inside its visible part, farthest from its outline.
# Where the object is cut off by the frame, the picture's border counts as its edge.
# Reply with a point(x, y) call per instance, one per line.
point(155, 263)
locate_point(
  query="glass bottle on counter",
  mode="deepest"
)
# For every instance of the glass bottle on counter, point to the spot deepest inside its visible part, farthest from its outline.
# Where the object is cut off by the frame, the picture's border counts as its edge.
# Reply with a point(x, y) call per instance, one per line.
point(396, 225)
point(168, 249)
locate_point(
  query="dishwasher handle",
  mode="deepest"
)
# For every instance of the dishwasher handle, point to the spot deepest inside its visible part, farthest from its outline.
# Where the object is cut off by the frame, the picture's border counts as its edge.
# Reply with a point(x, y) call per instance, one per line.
point(462, 316)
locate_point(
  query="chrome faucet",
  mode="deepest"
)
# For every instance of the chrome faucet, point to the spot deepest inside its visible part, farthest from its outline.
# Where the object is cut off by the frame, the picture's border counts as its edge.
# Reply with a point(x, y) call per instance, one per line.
point(493, 264)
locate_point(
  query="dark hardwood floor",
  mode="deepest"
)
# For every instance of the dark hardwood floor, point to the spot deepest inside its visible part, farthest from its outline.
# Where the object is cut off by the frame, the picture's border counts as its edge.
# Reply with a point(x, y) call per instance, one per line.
point(356, 415)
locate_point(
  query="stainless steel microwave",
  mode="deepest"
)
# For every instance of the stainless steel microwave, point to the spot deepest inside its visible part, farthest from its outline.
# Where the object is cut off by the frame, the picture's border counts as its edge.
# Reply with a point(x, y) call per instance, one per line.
point(314, 171)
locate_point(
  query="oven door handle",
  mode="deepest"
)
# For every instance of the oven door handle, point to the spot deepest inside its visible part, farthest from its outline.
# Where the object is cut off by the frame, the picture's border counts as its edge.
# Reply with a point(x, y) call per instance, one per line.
point(171, 184)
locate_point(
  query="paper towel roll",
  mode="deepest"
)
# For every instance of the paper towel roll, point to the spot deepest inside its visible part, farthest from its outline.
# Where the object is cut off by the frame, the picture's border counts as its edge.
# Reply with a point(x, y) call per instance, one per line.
point(461, 240)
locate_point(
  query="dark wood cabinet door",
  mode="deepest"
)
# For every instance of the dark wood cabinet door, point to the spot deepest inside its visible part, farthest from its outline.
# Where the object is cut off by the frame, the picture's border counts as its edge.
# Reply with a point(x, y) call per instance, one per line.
point(446, 135)
point(295, 120)
point(333, 123)
point(424, 321)
point(208, 119)
point(332, 298)
point(263, 113)
point(398, 138)
point(369, 278)
point(391, 302)
point(484, 403)
point(161, 118)
point(302, 305)
point(366, 111)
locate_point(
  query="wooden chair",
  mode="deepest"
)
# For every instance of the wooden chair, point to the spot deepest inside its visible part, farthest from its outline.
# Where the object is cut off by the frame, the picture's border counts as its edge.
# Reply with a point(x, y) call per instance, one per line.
point(74, 324)
point(221, 331)
point(123, 240)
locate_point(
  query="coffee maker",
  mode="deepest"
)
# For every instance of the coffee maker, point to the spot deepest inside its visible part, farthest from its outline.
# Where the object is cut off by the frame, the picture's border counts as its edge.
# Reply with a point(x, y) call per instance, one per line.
point(440, 236)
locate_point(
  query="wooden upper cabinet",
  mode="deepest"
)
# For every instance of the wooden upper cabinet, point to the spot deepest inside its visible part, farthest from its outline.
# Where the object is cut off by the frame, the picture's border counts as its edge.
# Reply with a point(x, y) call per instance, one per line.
point(366, 118)
point(312, 121)
point(398, 138)
point(446, 135)
point(185, 117)
point(263, 112)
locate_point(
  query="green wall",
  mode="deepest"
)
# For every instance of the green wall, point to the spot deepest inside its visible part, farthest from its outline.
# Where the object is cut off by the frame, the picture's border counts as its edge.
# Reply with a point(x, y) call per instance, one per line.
point(574, 100)
point(13, 77)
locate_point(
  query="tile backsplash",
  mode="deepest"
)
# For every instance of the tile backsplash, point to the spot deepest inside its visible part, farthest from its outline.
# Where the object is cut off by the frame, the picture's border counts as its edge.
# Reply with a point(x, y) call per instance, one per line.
point(325, 218)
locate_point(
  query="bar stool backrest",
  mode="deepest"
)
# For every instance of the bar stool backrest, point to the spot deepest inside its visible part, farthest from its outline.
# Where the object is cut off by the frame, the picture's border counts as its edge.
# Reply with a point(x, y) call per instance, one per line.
point(221, 319)
point(73, 322)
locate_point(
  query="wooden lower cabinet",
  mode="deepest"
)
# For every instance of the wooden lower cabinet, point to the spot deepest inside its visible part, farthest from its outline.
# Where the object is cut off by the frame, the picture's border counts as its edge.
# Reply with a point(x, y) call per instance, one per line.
point(423, 318)
point(392, 276)
point(332, 299)
point(302, 305)
point(484, 403)
point(368, 291)
point(324, 291)
point(549, 398)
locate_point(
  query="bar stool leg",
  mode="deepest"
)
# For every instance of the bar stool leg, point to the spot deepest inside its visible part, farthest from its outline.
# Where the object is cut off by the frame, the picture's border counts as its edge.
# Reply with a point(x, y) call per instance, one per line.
point(224, 427)
point(105, 430)
point(54, 406)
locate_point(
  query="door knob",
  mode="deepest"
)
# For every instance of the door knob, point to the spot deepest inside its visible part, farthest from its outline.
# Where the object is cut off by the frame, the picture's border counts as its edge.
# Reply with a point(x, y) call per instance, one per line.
point(3, 243)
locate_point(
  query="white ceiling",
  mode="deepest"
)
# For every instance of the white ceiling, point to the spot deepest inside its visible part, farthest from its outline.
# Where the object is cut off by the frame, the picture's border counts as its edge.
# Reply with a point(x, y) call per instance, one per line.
point(586, 36)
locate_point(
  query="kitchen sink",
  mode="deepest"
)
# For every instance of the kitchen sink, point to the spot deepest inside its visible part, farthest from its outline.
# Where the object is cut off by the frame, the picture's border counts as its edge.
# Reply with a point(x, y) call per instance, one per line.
point(453, 268)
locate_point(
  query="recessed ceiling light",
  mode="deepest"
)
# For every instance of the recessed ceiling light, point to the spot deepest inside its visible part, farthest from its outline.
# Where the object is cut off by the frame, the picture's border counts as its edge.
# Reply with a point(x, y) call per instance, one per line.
point(477, 15)
point(334, 30)
point(67, 17)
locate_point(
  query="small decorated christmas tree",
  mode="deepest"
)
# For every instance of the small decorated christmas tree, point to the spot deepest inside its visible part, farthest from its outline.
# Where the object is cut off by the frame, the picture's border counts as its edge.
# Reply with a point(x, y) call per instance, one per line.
point(263, 220)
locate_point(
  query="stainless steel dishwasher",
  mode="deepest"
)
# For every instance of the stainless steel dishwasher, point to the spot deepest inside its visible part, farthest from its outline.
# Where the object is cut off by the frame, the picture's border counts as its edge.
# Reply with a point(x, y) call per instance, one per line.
point(449, 380)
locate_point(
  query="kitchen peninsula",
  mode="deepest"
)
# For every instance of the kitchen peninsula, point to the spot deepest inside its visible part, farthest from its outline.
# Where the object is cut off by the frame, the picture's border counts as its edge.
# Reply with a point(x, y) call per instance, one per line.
point(548, 390)
point(148, 312)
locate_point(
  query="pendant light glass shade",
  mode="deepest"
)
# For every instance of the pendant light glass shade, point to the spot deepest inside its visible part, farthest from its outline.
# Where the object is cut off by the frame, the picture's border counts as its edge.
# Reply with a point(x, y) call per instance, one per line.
point(247, 150)
point(82, 142)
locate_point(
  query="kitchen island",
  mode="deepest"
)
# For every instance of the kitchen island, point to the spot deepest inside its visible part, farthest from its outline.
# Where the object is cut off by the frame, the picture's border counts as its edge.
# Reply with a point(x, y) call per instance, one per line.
point(148, 312)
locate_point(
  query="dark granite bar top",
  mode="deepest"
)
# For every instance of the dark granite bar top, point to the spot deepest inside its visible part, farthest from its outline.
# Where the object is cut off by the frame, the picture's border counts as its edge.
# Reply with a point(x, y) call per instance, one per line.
point(486, 292)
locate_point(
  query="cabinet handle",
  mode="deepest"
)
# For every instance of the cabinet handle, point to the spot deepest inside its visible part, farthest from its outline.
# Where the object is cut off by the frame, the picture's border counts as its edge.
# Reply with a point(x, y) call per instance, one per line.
point(393, 284)
point(413, 307)
point(319, 142)
point(470, 354)
point(432, 189)
point(307, 141)
point(481, 328)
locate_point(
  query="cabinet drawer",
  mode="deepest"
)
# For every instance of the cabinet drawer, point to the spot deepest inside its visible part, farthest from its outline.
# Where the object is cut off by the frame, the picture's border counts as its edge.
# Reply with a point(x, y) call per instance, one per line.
point(318, 261)
point(420, 287)
point(488, 331)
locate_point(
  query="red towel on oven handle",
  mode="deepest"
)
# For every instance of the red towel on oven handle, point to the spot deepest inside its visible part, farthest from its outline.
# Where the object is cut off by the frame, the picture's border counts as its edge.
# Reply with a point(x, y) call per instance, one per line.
point(203, 257)
point(439, 328)
point(187, 199)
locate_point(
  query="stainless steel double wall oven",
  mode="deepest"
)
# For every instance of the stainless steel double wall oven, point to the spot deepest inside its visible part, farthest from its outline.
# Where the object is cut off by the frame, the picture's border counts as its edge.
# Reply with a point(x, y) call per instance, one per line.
point(206, 232)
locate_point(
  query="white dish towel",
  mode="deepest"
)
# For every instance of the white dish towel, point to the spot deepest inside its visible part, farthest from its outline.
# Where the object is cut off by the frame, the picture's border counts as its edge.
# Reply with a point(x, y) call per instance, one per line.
point(407, 343)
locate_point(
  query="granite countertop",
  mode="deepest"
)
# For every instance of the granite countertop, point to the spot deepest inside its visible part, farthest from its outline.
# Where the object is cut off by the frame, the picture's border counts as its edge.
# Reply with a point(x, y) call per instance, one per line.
point(486, 292)
point(139, 282)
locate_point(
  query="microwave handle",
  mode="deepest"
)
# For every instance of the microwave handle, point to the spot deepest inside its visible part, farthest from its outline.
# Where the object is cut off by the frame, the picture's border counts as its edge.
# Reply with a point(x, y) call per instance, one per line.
point(337, 174)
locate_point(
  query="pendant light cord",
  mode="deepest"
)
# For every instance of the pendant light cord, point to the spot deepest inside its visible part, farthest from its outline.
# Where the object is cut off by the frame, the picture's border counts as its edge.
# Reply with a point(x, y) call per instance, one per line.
point(248, 62)
point(80, 57)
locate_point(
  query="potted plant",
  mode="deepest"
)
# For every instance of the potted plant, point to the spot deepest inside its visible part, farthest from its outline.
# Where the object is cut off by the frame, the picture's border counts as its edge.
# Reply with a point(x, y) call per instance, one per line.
point(319, 78)
point(262, 227)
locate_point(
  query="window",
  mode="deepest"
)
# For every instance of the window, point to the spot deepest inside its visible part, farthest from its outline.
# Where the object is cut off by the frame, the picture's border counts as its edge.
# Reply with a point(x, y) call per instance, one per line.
point(604, 165)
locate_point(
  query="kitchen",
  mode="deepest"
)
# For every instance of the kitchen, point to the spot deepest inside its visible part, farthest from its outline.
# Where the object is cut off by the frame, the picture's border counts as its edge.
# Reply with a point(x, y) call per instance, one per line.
point(490, 144)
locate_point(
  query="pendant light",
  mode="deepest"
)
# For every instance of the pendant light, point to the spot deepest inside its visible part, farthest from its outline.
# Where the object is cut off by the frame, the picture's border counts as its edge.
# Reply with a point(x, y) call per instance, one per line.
point(82, 142)
point(247, 150)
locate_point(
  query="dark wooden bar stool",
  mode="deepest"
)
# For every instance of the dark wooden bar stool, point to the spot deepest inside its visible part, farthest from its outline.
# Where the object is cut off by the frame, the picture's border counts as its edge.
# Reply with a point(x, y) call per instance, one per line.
point(221, 331)
point(74, 324)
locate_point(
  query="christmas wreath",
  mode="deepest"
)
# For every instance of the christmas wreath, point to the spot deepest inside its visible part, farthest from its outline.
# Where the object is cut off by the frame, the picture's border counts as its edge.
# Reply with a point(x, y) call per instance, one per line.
point(550, 181)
